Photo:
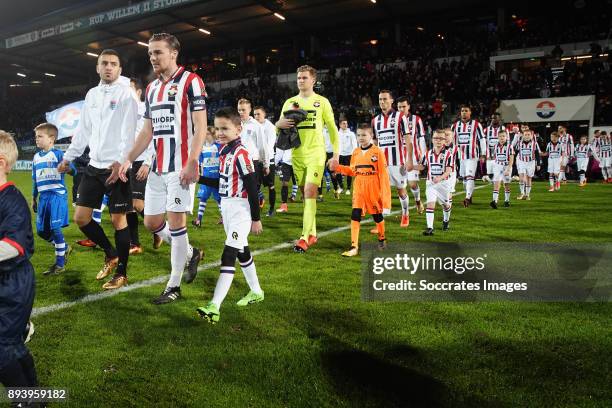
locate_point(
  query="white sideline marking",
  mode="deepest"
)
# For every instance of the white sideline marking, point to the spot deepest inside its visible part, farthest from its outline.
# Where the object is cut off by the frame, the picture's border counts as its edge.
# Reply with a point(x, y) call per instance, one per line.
point(94, 297)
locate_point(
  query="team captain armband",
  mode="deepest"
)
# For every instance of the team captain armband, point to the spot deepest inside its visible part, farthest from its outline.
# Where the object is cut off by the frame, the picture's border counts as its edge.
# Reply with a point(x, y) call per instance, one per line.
point(196, 94)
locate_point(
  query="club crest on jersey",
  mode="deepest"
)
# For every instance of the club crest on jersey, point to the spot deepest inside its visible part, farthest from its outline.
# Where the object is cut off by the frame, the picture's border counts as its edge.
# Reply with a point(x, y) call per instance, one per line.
point(113, 105)
point(392, 123)
point(173, 90)
point(374, 159)
point(316, 104)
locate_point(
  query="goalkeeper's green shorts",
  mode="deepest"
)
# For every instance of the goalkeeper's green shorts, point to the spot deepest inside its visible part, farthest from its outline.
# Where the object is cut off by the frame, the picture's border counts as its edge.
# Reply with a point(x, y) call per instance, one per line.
point(309, 169)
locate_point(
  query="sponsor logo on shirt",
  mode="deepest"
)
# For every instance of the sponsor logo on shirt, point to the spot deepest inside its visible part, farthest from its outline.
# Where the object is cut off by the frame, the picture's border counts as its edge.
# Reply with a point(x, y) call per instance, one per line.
point(113, 105)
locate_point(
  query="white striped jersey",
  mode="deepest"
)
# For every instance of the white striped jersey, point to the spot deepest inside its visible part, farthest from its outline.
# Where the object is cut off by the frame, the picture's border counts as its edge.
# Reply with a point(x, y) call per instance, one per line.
point(469, 138)
point(437, 163)
point(603, 147)
point(526, 150)
point(502, 153)
point(45, 177)
point(582, 150)
point(416, 131)
point(491, 134)
point(452, 148)
point(567, 141)
point(234, 164)
point(555, 150)
point(169, 105)
point(389, 130)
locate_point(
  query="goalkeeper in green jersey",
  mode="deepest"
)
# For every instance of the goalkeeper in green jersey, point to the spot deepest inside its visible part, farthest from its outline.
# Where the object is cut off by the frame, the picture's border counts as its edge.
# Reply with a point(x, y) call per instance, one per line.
point(309, 158)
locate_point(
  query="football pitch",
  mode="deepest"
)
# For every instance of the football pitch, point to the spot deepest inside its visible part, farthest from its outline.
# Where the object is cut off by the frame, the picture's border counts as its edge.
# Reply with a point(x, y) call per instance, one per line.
point(313, 342)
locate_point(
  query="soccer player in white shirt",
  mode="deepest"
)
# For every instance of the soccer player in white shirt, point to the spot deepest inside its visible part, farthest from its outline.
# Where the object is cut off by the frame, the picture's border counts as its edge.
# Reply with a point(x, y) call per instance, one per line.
point(567, 142)
point(253, 139)
point(415, 132)
point(175, 119)
point(269, 139)
point(438, 162)
point(348, 143)
point(527, 152)
point(555, 152)
point(452, 178)
point(491, 134)
point(603, 147)
point(471, 144)
point(390, 131)
point(583, 150)
point(240, 209)
point(107, 124)
point(503, 159)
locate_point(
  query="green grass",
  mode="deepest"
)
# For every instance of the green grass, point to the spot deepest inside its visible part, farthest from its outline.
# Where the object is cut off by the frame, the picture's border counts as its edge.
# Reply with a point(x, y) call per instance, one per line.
point(313, 342)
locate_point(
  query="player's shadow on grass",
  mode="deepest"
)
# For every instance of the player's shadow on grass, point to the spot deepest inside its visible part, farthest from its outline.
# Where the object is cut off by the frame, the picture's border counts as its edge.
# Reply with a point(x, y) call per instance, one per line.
point(365, 379)
point(72, 286)
point(393, 374)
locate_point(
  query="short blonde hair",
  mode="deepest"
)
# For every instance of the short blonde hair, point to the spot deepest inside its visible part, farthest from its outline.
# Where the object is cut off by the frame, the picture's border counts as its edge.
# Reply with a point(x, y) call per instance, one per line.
point(309, 69)
point(49, 128)
point(440, 132)
point(8, 148)
point(244, 101)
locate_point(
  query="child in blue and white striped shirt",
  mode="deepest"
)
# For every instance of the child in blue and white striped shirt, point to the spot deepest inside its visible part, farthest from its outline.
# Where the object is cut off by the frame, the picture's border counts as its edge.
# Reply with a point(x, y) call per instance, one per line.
point(49, 194)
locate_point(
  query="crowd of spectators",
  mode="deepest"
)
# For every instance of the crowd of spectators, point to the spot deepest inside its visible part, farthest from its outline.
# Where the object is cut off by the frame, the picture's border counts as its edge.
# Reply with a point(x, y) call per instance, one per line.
point(435, 87)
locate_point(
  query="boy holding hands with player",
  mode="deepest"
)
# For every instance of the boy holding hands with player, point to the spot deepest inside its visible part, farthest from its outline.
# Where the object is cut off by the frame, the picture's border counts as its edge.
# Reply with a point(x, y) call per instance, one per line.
point(371, 186)
point(49, 194)
point(582, 150)
point(554, 151)
point(527, 160)
point(439, 164)
point(503, 158)
point(238, 188)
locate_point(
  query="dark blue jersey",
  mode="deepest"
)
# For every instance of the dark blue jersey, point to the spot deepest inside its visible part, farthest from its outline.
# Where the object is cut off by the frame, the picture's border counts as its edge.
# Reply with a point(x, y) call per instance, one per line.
point(16, 274)
point(15, 225)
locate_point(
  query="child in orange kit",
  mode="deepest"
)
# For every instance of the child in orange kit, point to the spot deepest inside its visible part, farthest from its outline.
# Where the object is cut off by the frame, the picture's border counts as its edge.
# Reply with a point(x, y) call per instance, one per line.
point(371, 187)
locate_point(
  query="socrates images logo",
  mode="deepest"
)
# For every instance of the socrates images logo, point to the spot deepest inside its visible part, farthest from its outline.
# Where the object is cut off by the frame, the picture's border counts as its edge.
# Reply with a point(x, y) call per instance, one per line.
point(69, 118)
point(545, 109)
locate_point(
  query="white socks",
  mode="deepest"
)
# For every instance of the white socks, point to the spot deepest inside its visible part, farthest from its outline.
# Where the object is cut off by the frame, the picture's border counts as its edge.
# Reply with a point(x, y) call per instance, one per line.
point(250, 275)
point(469, 188)
point(429, 214)
point(416, 193)
point(405, 202)
point(164, 233)
point(178, 255)
point(223, 284)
